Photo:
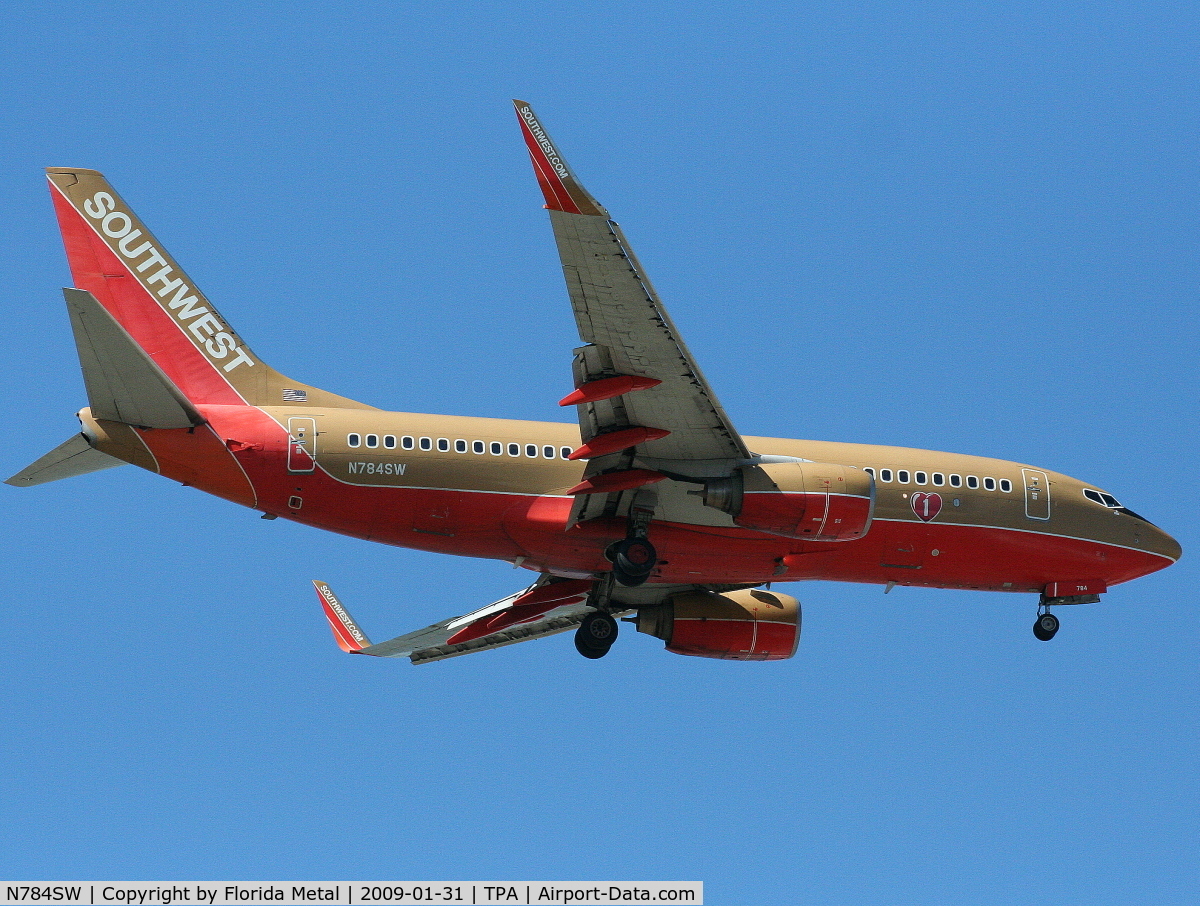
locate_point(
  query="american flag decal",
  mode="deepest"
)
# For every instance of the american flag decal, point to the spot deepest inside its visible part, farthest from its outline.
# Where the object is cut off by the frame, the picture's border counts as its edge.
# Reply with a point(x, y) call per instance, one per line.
point(295, 396)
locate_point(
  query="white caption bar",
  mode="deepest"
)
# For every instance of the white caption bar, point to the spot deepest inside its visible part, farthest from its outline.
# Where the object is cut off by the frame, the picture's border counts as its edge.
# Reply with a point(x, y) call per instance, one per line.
point(347, 893)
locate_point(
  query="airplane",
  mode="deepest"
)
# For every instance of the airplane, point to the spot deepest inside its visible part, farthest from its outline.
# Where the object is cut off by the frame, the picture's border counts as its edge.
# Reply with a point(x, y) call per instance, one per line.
point(652, 509)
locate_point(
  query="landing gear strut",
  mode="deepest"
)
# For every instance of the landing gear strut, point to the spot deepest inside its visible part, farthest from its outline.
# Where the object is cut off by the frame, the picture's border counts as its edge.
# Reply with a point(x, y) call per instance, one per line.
point(633, 560)
point(595, 634)
point(634, 557)
point(1045, 626)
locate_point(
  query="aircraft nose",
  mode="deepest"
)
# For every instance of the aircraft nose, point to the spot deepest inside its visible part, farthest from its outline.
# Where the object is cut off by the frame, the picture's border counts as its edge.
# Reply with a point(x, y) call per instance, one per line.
point(1149, 537)
point(1162, 543)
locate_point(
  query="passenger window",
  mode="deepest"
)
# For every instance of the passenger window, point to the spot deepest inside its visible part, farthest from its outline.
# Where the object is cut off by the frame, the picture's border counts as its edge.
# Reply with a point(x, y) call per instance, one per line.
point(460, 446)
point(1005, 485)
point(531, 451)
point(922, 478)
point(372, 440)
point(870, 472)
point(406, 443)
point(353, 440)
point(548, 452)
point(497, 448)
point(989, 484)
point(972, 481)
point(885, 475)
point(566, 452)
point(477, 446)
point(426, 443)
point(939, 479)
point(443, 445)
point(956, 481)
point(389, 441)
point(902, 476)
point(514, 449)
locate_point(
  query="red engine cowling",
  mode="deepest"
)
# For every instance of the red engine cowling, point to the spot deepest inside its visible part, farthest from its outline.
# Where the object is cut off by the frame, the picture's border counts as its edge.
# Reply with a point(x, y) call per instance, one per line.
point(747, 625)
point(814, 501)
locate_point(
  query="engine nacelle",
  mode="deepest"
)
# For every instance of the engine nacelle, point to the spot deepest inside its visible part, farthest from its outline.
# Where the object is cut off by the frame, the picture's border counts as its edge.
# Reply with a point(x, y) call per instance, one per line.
point(815, 501)
point(746, 625)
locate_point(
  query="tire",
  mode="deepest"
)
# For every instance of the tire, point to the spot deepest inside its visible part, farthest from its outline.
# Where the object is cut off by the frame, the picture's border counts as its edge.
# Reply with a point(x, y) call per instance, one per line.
point(633, 561)
point(595, 635)
point(590, 653)
point(1045, 627)
point(626, 579)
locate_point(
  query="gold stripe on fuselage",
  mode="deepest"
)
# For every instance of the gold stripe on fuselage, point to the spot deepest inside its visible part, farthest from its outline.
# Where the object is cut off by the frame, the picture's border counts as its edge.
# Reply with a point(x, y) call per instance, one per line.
point(1071, 514)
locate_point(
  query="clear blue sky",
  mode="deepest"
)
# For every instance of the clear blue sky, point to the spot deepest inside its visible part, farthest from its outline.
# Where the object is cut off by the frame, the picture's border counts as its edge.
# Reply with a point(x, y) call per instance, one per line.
point(967, 227)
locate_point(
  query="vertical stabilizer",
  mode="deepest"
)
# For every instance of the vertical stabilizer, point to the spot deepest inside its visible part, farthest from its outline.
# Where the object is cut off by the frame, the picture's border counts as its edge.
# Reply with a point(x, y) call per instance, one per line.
point(114, 257)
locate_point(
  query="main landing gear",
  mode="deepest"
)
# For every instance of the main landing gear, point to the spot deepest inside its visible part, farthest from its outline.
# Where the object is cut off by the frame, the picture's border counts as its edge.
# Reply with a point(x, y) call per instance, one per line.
point(595, 634)
point(634, 557)
point(633, 560)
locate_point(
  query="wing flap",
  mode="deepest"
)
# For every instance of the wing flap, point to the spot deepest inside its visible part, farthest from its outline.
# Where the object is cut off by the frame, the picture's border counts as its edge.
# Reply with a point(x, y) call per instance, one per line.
point(560, 620)
point(548, 607)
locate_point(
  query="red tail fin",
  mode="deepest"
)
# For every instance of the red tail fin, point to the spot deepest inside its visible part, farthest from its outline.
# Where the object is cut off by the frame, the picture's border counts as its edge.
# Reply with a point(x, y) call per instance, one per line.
point(115, 258)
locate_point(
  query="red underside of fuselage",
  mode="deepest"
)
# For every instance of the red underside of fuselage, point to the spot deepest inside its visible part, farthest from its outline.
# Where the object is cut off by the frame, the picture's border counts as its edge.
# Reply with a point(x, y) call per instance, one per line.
point(528, 529)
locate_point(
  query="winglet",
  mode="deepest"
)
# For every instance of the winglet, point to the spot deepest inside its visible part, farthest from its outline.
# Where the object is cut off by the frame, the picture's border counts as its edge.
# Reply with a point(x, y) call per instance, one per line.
point(346, 633)
point(562, 190)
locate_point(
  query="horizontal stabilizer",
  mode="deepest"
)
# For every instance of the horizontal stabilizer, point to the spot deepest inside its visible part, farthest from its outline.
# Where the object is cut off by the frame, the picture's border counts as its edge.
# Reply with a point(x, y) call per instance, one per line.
point(75, 457)
point(123, 383)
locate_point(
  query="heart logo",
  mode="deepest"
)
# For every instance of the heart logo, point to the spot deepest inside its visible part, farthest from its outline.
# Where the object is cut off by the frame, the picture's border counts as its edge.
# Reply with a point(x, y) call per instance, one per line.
point(926, 506)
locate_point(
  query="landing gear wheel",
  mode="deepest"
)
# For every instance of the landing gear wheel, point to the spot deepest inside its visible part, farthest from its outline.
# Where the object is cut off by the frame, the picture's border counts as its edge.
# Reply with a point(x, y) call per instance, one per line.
point(595, 635)
point(633, 561)
point(1045, 626)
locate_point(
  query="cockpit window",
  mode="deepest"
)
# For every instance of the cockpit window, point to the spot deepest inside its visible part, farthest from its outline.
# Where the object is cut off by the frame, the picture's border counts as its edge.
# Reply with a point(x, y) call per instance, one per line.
point(1101, 498)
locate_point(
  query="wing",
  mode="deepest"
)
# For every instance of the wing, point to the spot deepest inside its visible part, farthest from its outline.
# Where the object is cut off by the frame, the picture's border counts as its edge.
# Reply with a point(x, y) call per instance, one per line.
point(547, 607)
point(645, 410)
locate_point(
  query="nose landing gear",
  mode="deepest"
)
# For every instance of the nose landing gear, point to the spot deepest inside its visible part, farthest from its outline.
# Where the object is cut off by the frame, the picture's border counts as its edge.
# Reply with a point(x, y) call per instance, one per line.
point(1045, 626)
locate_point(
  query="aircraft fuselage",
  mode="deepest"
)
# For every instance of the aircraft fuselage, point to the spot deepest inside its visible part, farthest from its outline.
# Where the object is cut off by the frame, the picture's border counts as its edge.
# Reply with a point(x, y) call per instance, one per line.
point(497, 489)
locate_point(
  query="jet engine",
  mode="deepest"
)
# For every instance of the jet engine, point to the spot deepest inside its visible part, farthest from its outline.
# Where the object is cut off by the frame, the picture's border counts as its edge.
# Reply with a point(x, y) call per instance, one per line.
point(746, 625)
point(814, 501)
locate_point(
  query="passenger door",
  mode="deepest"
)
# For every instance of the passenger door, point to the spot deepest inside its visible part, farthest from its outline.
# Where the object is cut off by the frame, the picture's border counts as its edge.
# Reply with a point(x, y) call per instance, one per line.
point(302, 445)
point(1037, 494)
